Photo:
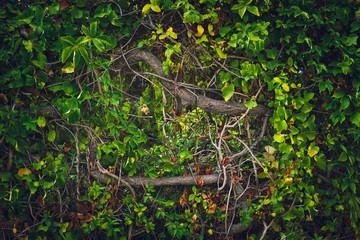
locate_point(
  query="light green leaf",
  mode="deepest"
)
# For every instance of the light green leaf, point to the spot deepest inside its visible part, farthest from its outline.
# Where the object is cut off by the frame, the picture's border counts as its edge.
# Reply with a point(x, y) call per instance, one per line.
point(355, 118)
point(155, 8)
point(228, 91)
point(51, 135)
point(251, 104)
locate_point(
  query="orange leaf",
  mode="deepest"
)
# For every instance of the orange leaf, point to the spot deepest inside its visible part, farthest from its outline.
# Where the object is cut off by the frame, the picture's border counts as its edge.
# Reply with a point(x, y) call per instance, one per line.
point(185, 174)
point(225, 161)
point(194, 217)
point(172, 159)
point(250, 197)
point(68, 146)
point(200, 181)
point(197, 170)
point(212, 209)
point(208, 171)
point(227, 137)
point(237, 178)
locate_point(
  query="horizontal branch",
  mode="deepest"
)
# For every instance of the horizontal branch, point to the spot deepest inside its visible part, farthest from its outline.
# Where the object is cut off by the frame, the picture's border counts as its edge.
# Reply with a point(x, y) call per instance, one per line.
point(164, 181)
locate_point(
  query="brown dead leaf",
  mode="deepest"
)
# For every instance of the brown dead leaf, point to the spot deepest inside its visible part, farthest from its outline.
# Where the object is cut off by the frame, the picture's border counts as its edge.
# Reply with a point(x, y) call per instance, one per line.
point(197, 170)
point(68, 146)
point(212, 209)
point(200, 181)
point(63, 4)
point(183, 198)
point(208, 171)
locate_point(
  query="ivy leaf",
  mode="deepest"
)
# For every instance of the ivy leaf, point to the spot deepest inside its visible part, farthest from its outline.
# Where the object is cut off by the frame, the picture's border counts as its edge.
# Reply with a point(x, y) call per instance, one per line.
point(251, 104)
point(351, 39)
point(41, 60)
point(313, 149)
point(228, 91)
point(41, 121)
point(74, 116)
point(253, 9)
point(355, 118)
point(51, 135)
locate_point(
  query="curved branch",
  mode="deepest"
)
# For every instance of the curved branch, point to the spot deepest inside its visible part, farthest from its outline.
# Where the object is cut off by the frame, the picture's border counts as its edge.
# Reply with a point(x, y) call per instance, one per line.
point(189, 98)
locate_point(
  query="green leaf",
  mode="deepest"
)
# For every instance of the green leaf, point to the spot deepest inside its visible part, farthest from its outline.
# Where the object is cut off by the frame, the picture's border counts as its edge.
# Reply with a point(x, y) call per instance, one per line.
point(85, 30)
point(251, 104)
point(220, 52)
point(351, 39)
point(355, 118)
point(93, 29)
point(84, 53)
point(41, 60)
point(76, 13)
point(338, 94)
point(242, 11)
point(68, 39)
point(51, 135)
point(82, 40)
point(320, 161)
point(74, 116)
point(345, 102)
point(41, 121)
point(99, 45)
point(253, 9)
point(66, 53)
point(228, 91)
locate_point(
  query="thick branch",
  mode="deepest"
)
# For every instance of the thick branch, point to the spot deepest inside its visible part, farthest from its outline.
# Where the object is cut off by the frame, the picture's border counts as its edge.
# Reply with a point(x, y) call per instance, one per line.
point(165, 181)
point(187, 97)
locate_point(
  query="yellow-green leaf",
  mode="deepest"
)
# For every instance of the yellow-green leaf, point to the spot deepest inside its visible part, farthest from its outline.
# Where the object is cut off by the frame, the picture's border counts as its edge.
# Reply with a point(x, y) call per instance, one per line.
point(51, 135)
point(146, 9)
point(313, 150)
point(253, 9)
point(200, 31)
point(211, 30)
point(228, 91)
point(155, 8)
point(69, 68)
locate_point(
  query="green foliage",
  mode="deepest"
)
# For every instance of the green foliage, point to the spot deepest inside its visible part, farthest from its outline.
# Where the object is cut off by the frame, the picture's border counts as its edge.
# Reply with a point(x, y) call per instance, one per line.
point(65, 109)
